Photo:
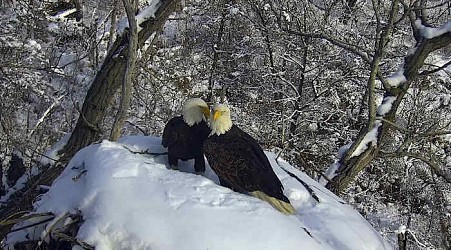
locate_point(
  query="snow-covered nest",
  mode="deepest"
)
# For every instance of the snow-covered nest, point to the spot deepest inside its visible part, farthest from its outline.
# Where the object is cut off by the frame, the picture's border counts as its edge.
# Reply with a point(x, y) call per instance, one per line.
point(132, 201)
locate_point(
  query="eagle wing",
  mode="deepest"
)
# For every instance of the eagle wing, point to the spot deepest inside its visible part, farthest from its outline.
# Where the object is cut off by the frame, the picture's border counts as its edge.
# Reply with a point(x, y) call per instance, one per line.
point(170, 132)
point(239, 160)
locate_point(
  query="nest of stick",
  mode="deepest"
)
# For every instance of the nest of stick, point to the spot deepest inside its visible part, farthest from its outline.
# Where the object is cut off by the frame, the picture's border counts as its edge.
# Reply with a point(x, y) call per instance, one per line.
point(44, 231)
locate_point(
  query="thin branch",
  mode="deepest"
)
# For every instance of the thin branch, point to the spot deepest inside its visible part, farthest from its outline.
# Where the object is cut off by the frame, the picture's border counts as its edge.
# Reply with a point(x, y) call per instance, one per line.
point(138, 128)
point(32, 225)
point(65, 237)
point(436, 133)
point(398, 127)
point(416, 239)
point(349, 47)
point(44, 115)
point(434, 166)
point(9, 221)
point(428, 72)
point(49, 227)
point(126, 89)
point(146, 152)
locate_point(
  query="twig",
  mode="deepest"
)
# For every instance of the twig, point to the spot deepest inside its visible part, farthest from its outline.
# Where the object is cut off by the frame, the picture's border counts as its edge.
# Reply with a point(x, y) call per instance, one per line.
point(49, 109)
point(8, 221)
point(146, 152)
point(430, 162)
point(48, 229)
point(137, 127)
point(32, 225)
point(428, 72)
point(66, 237)
point(415, 238)
point(78, 176)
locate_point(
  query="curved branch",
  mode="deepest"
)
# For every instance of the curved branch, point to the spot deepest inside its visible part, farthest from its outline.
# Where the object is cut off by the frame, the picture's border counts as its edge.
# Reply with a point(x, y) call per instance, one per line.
point(431, 163)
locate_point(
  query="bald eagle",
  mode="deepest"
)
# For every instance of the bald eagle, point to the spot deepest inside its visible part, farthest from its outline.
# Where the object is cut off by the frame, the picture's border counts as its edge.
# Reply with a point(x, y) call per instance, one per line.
point(184, 135)
point(240, 162)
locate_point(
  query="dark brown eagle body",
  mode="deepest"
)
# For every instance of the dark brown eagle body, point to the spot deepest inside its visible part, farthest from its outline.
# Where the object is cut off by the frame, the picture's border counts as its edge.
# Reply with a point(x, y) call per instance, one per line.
point(185, 142)
point(241, 164)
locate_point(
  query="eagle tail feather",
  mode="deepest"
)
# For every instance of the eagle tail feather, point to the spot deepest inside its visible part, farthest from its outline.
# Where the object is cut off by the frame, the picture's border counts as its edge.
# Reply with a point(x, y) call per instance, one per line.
point(282, 206)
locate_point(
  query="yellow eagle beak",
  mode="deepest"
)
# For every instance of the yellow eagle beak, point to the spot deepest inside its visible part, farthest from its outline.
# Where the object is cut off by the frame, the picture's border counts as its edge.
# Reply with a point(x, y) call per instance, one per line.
point(216, 115)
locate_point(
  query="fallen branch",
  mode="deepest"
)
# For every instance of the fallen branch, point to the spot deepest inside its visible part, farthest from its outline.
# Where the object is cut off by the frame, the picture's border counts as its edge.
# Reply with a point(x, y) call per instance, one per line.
point(146, 152)
point(306, 186)
point(74, 240)
point(32, 225)
point(8, 221)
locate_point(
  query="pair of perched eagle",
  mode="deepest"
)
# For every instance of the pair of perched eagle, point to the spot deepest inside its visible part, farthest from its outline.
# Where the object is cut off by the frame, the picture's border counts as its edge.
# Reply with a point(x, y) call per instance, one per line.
point(234, 155)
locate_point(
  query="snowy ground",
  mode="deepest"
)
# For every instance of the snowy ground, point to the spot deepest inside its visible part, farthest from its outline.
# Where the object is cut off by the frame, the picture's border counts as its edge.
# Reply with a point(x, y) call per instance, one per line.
point(132, 201)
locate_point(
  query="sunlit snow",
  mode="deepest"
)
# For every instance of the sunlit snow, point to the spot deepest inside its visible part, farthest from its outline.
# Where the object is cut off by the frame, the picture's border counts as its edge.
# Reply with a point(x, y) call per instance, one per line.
point(144, 15)
point(369, 139)
point(331, 172)
point(386, 105)
point(397, 78)
point(132, 201)
point(429, 33)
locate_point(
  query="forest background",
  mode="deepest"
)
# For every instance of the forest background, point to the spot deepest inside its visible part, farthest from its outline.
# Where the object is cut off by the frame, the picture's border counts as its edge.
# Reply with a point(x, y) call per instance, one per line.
point(361, 87)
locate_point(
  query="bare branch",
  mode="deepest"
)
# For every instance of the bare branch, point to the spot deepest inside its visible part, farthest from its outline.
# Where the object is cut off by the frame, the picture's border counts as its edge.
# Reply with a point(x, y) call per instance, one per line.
point(431, 163)
point(394, 125)
point(428, 72)
point(342, 44)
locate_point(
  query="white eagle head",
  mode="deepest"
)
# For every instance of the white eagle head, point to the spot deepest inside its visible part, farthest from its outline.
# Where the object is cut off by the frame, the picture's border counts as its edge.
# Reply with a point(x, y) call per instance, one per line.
point(195, 110)
point(220, 121)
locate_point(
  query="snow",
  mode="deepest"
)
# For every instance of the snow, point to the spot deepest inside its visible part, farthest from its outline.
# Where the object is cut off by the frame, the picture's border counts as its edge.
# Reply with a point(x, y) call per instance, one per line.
point(49, 157)
point(287, 16)
point(429, 33)
point(234, 11)
point(386, 105)
point(313, 126)
point(401, 230)
point(132, 201)
point(62, 15)
point(144, 15)
point(397, 78)
point(370, 137)
point(331, 172)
